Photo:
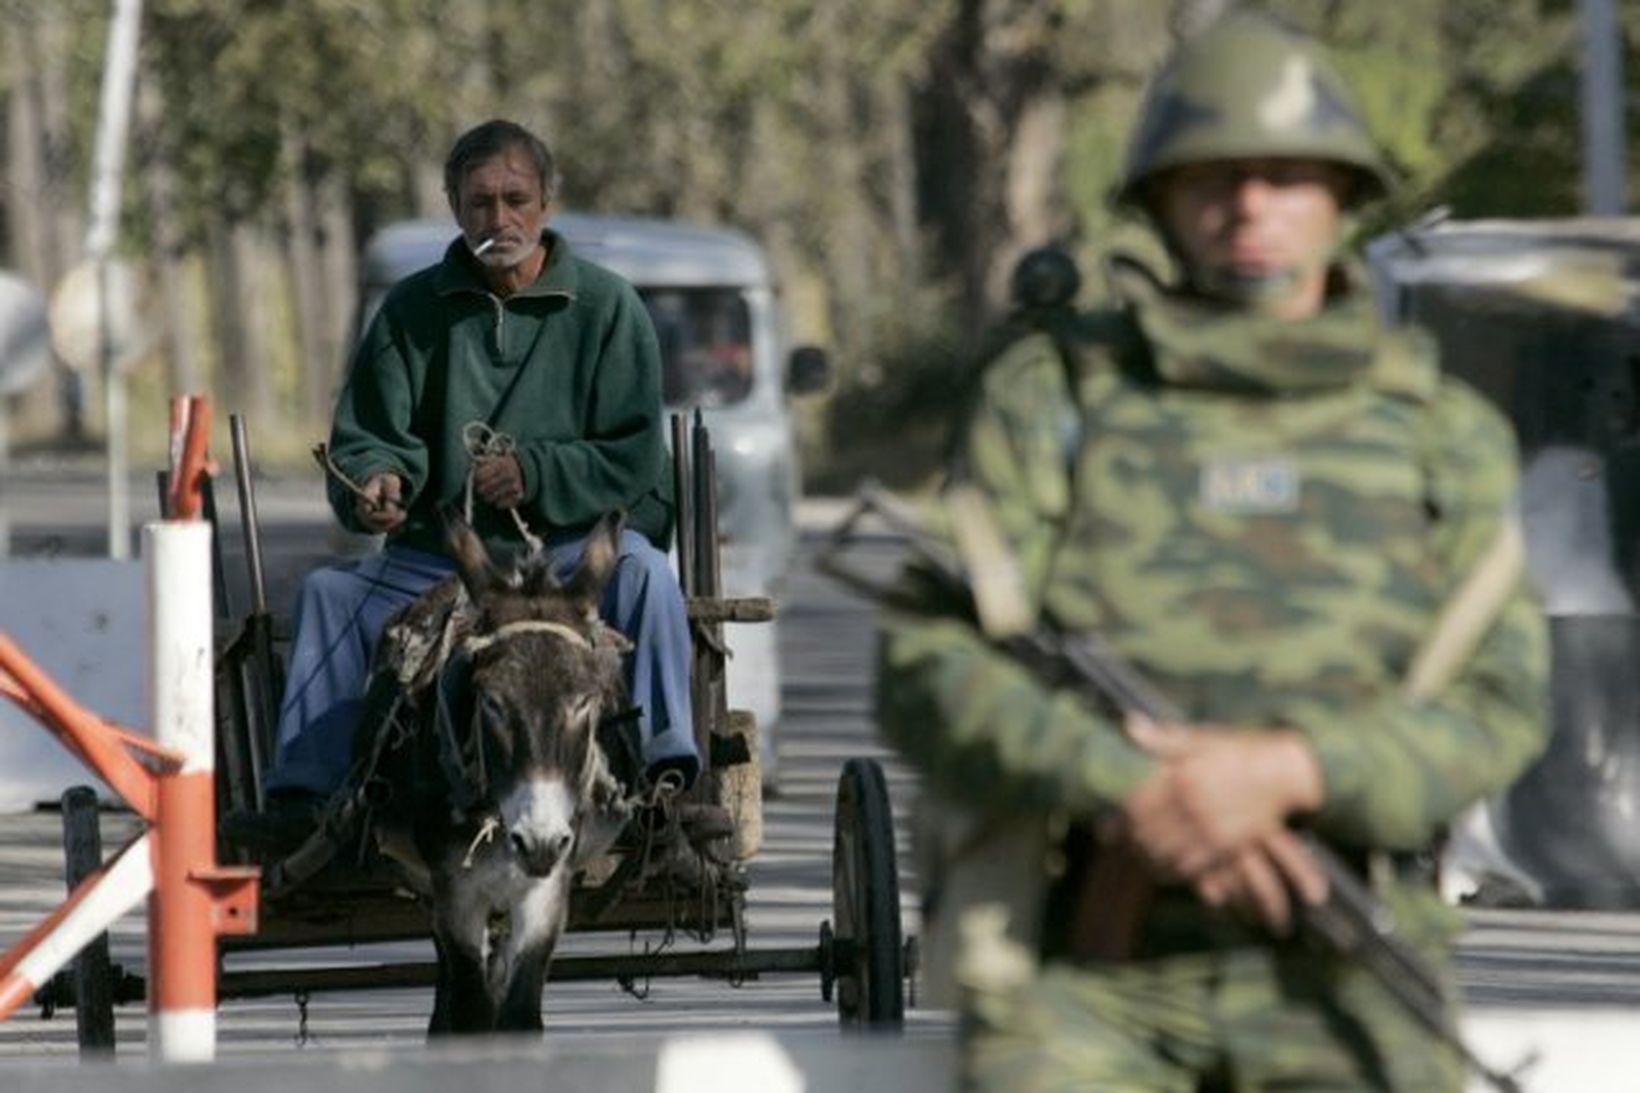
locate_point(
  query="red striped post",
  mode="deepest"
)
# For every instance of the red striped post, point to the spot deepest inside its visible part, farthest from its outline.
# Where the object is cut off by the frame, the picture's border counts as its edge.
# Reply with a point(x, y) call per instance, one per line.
point(194, 899)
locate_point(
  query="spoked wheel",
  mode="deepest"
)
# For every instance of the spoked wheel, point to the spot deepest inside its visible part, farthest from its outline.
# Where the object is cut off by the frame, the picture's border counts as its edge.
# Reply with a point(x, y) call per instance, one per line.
point(867, 955)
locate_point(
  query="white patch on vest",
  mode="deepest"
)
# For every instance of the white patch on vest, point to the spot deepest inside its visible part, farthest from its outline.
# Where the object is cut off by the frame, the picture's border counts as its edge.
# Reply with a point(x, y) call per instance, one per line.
point(1292, 100)
point(1250, 486)
point(540, 809)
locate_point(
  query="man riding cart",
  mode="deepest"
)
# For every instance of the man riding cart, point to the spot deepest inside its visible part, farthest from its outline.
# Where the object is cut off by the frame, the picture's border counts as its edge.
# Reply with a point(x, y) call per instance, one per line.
point(521, 385)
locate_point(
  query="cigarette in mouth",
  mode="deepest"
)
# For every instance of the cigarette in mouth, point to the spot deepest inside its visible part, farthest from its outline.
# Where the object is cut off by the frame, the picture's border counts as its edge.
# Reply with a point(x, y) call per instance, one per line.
point(484, 246)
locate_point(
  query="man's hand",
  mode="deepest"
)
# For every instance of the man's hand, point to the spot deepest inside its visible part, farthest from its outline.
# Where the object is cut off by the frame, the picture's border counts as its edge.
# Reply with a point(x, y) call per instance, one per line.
point(1214, 815)
point(1264, 880)
point(499, 480)
point(1216, 793)
point(381, 508)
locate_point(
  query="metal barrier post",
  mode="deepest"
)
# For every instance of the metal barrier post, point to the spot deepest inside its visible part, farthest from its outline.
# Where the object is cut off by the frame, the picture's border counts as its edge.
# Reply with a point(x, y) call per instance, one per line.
point(193, 899)
point(181, 940)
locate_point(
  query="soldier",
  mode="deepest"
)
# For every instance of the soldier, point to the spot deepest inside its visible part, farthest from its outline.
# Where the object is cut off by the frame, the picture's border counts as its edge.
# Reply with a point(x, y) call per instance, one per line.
point(1262, 498)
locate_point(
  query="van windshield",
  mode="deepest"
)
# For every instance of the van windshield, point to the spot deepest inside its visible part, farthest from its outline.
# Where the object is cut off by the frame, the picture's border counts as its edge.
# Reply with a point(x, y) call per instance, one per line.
point(706, 344)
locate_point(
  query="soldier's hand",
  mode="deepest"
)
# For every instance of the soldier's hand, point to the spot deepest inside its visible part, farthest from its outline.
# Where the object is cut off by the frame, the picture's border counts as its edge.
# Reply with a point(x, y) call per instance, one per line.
point(499, 480)
point(381, 507)
point(1264, 880)
point(1215, 793)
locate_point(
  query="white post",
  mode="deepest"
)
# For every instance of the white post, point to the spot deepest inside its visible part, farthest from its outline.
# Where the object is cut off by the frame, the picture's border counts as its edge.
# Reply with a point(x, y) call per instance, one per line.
point(1605, 166)
point(107, 171)
point(181, 926)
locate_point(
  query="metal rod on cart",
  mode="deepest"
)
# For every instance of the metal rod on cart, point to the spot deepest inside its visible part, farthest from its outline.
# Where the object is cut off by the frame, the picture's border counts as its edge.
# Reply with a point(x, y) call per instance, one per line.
point(252, 983)
point(684, 500)
point(707, 683)
point(247, 512)
point(219, 571)
point(264, 674)
point(706, 555)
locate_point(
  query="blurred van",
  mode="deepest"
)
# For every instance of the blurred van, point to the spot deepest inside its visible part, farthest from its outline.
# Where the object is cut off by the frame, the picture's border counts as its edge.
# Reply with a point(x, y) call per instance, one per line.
point(1542, 317)
point(724, 349)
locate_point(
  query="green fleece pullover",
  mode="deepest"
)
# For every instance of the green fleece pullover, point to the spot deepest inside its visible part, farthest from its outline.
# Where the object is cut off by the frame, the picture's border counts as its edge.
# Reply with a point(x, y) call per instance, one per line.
point(568, 367)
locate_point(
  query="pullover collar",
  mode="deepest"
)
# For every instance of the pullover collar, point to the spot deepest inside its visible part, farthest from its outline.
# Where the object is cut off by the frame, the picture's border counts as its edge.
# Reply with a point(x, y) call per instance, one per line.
point(459, 272)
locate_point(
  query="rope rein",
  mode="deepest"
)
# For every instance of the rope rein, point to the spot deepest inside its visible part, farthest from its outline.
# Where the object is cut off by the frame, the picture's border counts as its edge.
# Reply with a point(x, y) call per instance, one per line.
point(480, 442)
point(485, 834)
point(483, 442)
point(476, 642)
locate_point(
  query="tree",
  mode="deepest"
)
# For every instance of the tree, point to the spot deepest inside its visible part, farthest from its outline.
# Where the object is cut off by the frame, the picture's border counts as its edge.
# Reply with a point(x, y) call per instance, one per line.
point(895, 156)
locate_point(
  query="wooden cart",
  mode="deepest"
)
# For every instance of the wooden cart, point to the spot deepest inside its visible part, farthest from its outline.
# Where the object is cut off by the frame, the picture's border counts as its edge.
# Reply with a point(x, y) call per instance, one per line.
point(697, 897)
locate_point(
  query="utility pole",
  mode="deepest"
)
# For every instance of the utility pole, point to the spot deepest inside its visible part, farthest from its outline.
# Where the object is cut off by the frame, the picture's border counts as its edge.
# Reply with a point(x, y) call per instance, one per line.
point(1605, 163)
point(107, 174)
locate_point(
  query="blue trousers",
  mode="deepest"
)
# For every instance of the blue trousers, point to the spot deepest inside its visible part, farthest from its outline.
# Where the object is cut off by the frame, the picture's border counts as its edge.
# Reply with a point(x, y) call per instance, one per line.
point(341, 610)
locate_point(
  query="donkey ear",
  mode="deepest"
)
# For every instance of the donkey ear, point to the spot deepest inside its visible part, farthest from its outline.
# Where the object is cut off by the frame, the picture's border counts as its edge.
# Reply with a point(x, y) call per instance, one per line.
point(473, 563)
point(598, 560)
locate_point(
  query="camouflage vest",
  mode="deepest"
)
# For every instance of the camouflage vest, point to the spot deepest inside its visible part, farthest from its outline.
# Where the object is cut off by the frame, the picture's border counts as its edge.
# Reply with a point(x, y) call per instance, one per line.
point(1252, 506)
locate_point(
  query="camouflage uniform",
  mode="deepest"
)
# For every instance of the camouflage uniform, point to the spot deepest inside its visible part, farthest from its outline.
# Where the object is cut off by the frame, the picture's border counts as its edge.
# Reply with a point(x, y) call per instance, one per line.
point(1264, 516)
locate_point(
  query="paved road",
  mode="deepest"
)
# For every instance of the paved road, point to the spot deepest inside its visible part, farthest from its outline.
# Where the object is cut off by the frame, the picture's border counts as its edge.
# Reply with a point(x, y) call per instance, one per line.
point(1563, 981)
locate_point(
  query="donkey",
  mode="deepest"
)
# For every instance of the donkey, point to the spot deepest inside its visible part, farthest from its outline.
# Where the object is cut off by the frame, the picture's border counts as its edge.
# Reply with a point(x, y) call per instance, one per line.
point(487, 780)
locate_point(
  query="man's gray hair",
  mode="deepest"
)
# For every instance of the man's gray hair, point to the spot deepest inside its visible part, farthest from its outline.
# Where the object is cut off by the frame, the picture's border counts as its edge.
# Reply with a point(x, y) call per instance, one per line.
point(493, 138)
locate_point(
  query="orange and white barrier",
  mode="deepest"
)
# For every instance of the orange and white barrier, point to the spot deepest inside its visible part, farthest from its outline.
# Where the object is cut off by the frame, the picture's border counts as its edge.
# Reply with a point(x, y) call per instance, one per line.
point(168, 781)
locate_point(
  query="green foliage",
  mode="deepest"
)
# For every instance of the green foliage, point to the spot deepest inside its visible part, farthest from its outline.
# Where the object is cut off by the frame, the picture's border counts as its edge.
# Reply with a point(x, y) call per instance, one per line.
point(893, 419)
point(870, 143)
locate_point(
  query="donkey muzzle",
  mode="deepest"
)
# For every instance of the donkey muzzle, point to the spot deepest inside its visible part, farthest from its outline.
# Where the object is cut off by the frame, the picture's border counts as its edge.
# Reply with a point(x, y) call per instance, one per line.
point(539, 817)
point(540, 854)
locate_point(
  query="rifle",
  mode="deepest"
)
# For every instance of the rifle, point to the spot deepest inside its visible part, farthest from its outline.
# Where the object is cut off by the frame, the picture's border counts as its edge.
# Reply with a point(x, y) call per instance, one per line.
point(1352, 923)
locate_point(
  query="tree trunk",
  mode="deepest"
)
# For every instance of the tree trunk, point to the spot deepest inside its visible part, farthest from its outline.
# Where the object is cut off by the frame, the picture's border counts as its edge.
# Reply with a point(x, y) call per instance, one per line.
point(902, 181)
point(63, 202)
point(41, 209)
point(236, 312)
point(184, 371)
point(338, 250)
point(305, 280)
point(848, 230)
point(257, 260)
point(25, 158)
point(989, 123)
point(1036, 212)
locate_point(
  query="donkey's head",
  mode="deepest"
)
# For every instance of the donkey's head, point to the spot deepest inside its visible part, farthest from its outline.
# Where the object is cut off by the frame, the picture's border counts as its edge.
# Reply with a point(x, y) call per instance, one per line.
point(544, 670)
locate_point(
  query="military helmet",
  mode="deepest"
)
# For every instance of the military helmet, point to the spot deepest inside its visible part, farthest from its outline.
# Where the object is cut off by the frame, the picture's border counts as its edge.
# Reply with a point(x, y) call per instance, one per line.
point(1250, 87)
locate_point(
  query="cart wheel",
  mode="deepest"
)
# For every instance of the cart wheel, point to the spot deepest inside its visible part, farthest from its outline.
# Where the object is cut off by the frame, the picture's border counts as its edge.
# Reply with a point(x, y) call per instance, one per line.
point(869, 965)
point(92, 973)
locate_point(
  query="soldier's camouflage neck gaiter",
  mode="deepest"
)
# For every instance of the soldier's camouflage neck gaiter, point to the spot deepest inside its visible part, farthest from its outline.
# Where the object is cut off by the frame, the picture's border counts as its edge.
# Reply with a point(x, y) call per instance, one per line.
point(1202, 344)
